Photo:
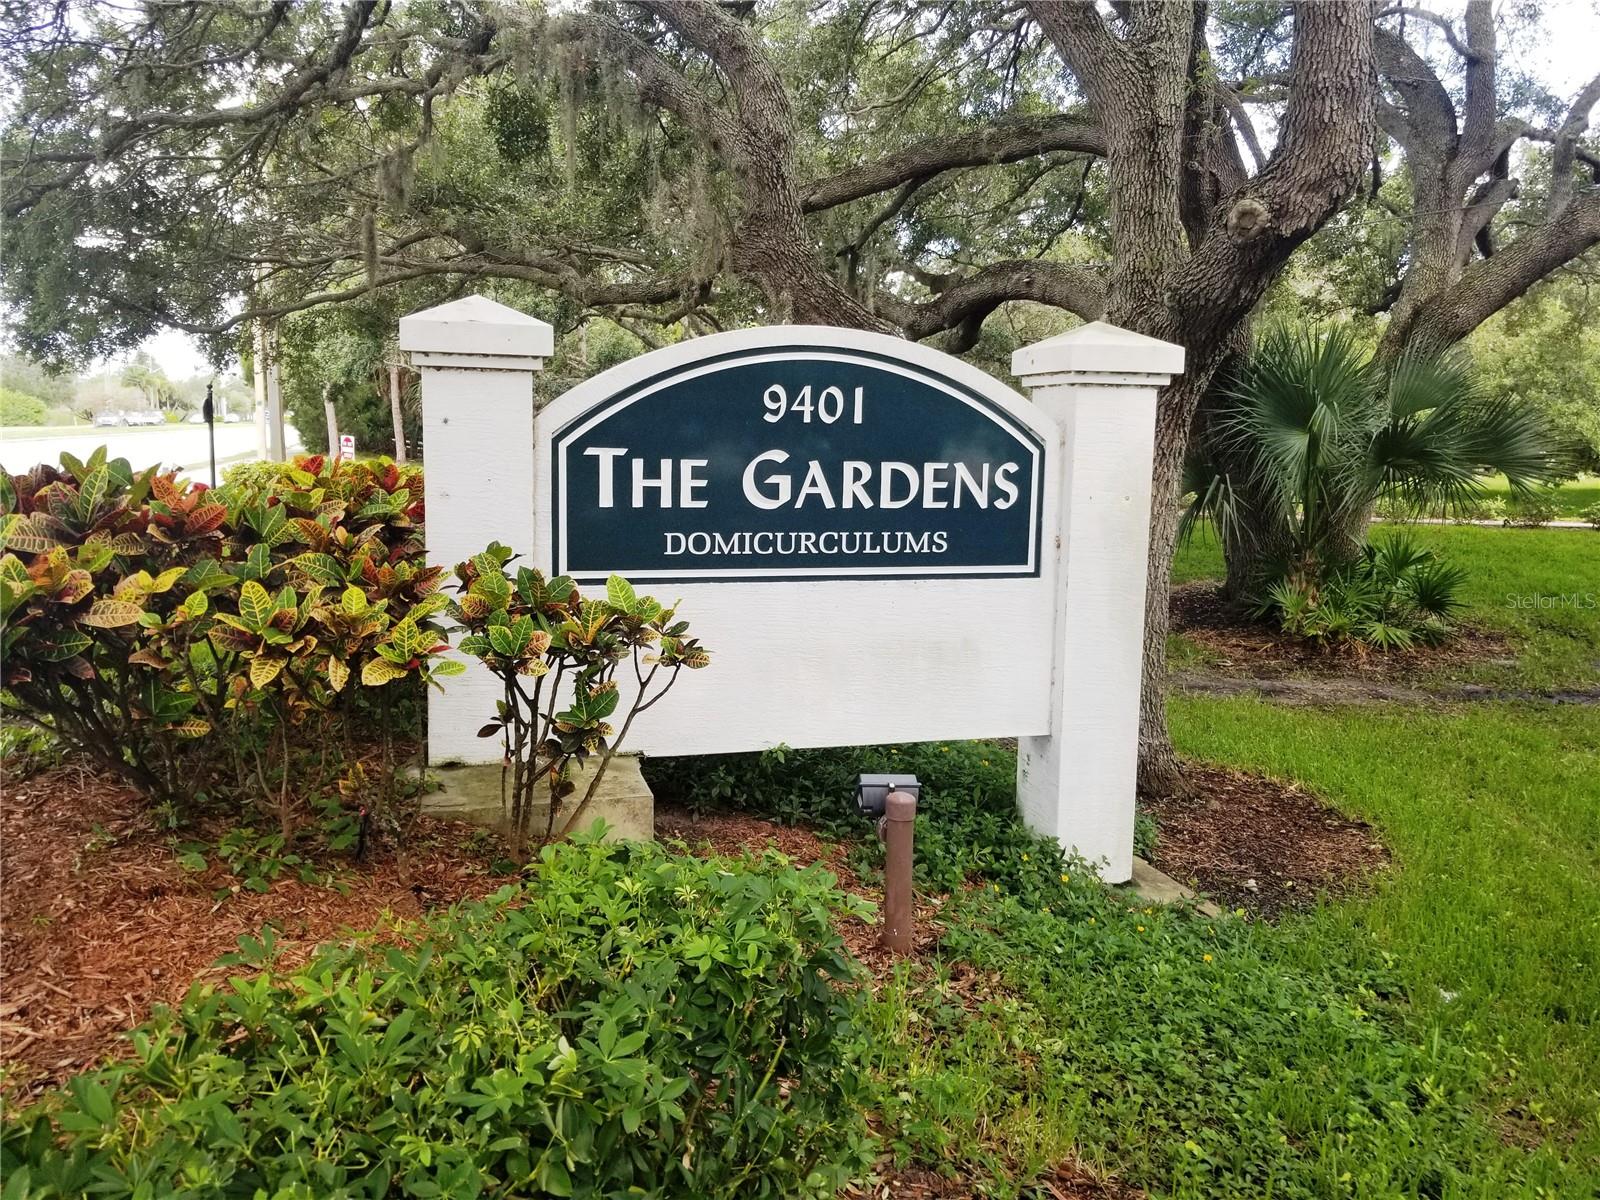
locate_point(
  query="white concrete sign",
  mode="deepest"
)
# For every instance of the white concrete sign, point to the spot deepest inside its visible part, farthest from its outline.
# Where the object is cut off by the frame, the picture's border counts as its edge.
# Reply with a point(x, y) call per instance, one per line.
point(878, 542)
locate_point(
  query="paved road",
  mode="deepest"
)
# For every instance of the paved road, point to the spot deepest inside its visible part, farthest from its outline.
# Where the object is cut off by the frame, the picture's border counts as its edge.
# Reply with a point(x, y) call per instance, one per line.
point(182, 446)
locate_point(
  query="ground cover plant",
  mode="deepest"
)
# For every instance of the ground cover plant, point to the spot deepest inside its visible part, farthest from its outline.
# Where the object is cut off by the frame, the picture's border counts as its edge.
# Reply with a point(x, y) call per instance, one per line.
point(1189, 1057)
point(626, 1022)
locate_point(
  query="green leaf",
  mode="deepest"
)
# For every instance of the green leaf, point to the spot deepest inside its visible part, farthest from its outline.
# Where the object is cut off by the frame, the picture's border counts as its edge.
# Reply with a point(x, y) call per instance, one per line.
point(379, 671)
point(62, 646)
point(353, 601)
point(93, 491)
point(258, 564)
point(255, 605)
point(319, 568)
point(25, 534)
point(620, 593)
point(112, 614)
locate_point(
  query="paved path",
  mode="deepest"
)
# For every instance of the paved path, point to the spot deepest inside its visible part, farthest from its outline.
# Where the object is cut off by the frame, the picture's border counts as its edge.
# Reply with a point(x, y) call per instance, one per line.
point(181, 446)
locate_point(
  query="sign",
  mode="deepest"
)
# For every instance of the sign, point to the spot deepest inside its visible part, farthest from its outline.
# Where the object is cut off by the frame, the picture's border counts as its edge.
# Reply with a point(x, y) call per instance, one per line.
point(815, 461)
point(878, 542)
point(347, 445)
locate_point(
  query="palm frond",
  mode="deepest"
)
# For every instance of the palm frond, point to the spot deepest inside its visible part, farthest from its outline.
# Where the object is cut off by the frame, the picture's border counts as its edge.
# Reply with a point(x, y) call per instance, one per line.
point(1443, 432)
point(1302, 416)
point(1214, 501)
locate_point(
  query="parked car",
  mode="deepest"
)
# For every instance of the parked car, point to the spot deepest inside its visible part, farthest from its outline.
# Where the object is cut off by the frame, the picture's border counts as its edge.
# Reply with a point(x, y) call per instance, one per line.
point(196, 418)
point(109, 418)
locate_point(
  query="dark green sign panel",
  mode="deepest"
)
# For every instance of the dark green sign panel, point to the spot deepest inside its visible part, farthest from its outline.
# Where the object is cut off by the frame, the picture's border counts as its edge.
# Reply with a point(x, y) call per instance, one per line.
point(785, 462)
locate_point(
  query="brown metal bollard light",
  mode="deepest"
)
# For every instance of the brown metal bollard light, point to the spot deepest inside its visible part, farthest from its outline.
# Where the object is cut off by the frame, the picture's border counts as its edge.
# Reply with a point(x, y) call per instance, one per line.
point(899, 913)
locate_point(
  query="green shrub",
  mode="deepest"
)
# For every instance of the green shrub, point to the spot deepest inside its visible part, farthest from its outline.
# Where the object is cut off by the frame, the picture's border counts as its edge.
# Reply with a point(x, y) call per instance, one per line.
point(1592, 515)
point(627, 1023)
point(1482, 508)
point(1395, 595)
point(252, 479)
point(19, 408)
point(178, 639)
point(1532, 511)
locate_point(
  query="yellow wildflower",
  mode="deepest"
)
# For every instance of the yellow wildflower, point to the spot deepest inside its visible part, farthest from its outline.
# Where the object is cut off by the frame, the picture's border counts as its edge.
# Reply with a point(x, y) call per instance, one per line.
point(1206, 957)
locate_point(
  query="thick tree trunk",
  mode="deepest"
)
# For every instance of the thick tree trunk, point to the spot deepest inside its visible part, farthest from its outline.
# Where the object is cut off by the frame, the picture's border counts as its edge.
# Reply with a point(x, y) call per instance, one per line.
point(1159, 771)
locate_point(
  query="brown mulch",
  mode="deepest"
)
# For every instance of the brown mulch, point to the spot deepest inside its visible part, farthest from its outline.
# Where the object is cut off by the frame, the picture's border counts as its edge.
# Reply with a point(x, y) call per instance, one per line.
point(1237, 644)
point(99, 922)
point(1255, 843)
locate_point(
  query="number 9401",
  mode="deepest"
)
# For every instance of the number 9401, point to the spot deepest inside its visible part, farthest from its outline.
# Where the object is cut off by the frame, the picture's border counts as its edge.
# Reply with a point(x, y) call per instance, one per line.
point(828, 406)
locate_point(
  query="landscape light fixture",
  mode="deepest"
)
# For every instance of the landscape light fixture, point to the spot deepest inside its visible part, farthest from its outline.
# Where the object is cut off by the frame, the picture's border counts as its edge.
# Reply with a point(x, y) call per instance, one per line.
point(872, 791)
point(892, 799)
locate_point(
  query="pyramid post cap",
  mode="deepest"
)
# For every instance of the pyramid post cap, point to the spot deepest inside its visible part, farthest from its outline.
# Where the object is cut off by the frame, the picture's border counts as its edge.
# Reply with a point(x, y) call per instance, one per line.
point(1099, 348)
point(476, 325)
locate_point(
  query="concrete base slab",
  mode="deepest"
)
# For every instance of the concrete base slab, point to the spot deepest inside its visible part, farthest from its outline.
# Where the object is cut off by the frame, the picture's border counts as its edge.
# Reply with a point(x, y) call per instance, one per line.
point(1150, 884)
point(624, 800)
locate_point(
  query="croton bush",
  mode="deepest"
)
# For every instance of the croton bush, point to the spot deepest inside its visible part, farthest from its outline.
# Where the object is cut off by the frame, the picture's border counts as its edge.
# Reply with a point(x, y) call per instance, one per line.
point(194, 641)
point(557, 655)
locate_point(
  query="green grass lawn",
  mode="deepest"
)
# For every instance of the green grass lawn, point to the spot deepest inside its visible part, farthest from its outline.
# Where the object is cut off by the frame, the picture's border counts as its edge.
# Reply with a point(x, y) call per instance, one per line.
point(1490, 919)
point(1491, 915)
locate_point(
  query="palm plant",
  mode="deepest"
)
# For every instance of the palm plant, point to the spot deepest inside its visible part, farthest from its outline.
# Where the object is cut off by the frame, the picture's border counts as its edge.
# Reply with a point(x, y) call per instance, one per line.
point(1317, 431)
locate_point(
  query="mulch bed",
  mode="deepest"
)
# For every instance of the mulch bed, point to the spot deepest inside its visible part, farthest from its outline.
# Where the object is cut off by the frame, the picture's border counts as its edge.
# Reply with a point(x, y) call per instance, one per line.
point(1239, 644)
point(1254, 843)
point(99, 923)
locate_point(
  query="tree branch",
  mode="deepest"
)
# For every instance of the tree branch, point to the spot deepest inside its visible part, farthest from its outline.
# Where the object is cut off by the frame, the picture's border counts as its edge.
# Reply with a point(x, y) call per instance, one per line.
point(1005, 141)
point(1567, 147)
point(966, 301)
point(1488, 285)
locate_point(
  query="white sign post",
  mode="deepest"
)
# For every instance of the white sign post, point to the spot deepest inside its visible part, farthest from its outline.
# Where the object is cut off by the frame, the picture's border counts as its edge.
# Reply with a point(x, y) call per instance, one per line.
point(477, 359)
point(347, 445)
point(1076, 782)
point(877, 541)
